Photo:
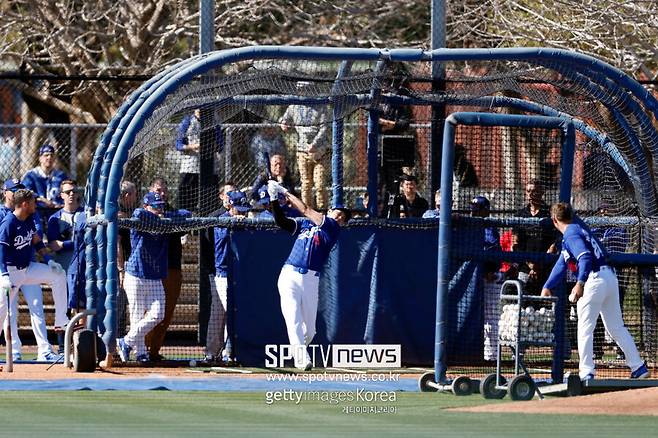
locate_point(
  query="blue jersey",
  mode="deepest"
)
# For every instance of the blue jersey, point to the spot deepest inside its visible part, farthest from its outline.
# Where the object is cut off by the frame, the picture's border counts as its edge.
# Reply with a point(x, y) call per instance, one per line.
point(76, 272)
point(4, 211)
point(45, 186)
point(16, 241)
point(60, 227)
point(221, 249)
point(150, 252)
point(578, 246)
point(313, 244)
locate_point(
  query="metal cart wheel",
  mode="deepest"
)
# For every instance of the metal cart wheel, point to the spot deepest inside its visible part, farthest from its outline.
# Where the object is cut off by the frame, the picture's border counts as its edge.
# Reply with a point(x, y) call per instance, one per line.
point(522, 387)
point(488, 387)
point(462, 385)
point(424, 380)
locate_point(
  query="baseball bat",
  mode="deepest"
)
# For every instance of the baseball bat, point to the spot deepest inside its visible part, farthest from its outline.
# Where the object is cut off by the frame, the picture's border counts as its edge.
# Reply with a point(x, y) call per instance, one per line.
point(9, 359)
point(268, 171)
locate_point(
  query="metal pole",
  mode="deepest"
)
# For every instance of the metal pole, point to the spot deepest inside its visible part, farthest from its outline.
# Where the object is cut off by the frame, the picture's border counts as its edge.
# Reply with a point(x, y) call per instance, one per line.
point(206, 168)
point(438, 35)
point(206, 26)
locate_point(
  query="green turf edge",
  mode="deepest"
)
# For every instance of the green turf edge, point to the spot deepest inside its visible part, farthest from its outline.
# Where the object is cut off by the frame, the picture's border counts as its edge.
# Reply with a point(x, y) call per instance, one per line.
point(166, 413)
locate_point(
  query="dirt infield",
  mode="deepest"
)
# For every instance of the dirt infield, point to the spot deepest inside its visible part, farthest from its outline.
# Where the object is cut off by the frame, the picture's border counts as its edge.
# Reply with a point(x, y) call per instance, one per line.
point(631, 402)
point(58, 371)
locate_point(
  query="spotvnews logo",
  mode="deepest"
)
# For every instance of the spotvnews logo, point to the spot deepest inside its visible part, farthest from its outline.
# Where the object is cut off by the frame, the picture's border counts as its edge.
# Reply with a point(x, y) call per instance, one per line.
point(336, 355)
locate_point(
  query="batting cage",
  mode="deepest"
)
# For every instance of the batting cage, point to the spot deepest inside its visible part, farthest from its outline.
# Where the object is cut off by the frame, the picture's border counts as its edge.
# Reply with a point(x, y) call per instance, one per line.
point(494, 137)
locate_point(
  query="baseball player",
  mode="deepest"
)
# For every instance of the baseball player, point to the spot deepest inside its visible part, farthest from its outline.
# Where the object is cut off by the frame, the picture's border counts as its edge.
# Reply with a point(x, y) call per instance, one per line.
point(238, 206)
point(18, 237)
point(596, 292)
point(45, 179)
point(31, 292)
point(300, 276)
point(145, 269)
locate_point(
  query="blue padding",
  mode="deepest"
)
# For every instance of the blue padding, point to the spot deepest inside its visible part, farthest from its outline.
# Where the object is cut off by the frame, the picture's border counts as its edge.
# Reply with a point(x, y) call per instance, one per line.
point(402, 299)
point(378, 286)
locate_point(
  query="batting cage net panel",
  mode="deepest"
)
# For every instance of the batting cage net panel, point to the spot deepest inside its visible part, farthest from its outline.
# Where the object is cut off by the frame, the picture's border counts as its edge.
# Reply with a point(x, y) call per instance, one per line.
point(313, 120)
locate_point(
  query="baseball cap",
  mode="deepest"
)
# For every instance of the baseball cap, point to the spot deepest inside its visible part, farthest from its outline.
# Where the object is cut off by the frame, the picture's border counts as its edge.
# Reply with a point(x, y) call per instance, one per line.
point(153, 199)
point(263, 197)
point(46, 148)
point(406, 177)
point(346, 211)
point(480, 203)
point(13, 184)
point(239, 201)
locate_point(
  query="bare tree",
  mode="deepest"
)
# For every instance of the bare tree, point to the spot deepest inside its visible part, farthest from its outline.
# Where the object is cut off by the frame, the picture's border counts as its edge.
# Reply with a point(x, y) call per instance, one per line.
point(119, 37)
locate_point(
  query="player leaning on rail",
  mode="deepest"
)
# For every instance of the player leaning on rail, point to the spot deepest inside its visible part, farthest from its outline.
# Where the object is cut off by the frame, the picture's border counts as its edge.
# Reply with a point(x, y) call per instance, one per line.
point(596, 292)
point(300, 276)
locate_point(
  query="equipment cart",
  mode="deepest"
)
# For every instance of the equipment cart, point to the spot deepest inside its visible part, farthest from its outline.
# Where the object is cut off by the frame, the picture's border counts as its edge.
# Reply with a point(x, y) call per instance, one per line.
point(525, 321)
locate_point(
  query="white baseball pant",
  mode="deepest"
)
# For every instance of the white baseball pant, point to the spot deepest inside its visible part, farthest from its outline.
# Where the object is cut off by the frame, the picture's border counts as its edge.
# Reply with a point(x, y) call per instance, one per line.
point(36, 274)
point(299, 305)
point(491, 317)
point(34, 299)
point(146, 307)
point(216, 336)
point(601, 296)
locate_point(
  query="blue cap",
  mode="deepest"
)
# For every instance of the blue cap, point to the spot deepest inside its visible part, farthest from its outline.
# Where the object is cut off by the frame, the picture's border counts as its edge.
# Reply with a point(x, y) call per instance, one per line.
point(239, 201)
point(480, 203)
point(13, 184)
point(153, 199)
point(264, 196)
point(46, 148)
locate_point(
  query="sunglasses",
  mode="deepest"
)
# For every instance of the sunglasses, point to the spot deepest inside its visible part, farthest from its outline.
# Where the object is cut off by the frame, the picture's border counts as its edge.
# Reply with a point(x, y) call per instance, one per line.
point(68, 192)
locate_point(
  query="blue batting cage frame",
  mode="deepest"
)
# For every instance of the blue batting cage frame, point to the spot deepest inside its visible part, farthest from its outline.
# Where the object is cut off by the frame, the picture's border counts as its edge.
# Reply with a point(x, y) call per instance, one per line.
point(598, 79)
point(445, 221)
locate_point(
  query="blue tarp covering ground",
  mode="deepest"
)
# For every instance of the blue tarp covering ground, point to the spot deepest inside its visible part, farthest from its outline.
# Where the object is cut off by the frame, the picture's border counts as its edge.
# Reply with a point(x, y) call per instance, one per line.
point(219, 383)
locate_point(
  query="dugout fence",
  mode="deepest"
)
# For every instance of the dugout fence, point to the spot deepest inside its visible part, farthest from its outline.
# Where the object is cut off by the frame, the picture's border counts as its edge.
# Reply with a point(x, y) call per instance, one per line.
point(615, 141)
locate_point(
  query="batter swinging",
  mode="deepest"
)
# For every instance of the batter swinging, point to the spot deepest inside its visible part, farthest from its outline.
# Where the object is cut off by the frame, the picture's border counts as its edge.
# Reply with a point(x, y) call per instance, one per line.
point(300, 277)
point(596, 292)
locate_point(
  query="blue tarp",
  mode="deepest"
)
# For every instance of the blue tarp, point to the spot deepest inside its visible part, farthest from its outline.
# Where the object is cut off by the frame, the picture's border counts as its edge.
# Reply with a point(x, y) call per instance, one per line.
point(378, 286)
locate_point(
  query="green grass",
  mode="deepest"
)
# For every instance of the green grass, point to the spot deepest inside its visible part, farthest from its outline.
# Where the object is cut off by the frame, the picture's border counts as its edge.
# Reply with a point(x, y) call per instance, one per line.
point(164, 413)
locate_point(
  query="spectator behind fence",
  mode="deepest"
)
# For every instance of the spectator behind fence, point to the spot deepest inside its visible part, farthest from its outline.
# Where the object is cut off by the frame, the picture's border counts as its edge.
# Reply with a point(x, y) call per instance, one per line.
point(267, 142)
point(31, 292)
point(279, 172)
point(45, 180)
point(409, 203)
point(313, 149)
point(173, 282)
point(217, 336)
point(395, 119)
point(188, 143)
point(536, 238)
point(464, 172)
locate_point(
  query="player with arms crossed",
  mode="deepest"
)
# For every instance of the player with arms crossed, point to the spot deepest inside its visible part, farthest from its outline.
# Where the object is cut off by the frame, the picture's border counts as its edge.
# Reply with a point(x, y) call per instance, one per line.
point(596, 292)
point(300, 277)
point(145, 270)
point(18, 234)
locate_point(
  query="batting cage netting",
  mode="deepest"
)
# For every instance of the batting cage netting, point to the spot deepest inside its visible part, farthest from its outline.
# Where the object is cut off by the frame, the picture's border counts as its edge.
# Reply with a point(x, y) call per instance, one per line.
point(364, 129)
